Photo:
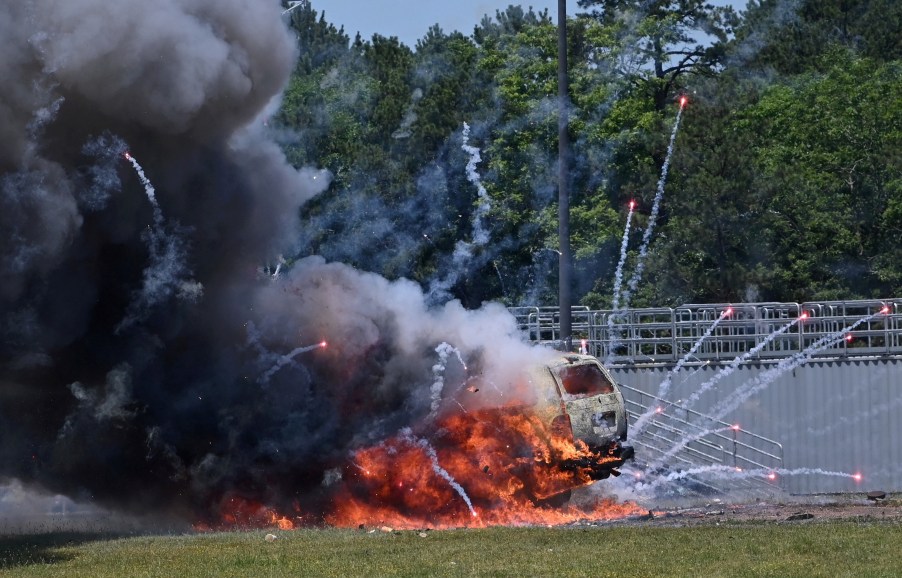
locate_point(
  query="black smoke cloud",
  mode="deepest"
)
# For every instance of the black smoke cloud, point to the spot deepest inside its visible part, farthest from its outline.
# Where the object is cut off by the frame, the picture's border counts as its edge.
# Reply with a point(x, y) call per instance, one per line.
point(137, 349)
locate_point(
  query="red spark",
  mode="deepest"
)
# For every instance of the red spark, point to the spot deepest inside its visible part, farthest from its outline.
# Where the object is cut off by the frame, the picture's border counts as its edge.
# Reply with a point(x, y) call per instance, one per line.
point(659, 410)
point(885, 309)
point(772, 476)
point(728, 312)
point(857, 477)
point(323, 344)
point(804, 315)
point(849, 338)
point(127, 156)
point(683, 101)
point(632, 205)
point(735, 427)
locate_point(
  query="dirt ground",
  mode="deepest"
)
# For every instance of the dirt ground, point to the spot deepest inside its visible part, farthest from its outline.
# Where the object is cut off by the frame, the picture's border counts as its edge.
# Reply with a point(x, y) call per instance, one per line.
point(807, 509)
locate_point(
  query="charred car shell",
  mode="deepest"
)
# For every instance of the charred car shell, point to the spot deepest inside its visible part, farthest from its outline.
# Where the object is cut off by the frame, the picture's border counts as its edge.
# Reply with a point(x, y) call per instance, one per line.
point(585, 403)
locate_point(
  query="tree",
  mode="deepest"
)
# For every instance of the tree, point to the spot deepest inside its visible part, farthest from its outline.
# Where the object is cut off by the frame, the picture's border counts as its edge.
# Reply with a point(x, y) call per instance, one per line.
point(782, 187)
point(828, 160)
point(522, 152)
point(657, 41)
point(450, 87)
point(319, 42)
point(791, 38)
point(712, 247)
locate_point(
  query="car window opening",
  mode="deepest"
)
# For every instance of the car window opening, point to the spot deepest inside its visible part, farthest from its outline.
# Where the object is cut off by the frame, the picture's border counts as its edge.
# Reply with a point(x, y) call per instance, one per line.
point(584, 380)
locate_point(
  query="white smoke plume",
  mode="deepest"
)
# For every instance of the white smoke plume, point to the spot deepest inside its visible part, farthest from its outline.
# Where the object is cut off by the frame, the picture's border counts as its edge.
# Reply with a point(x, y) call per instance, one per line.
point(166, 274)
point(618, 282)
point(444, 351)
point(732, 473)
point(464, 251)
point(483, 203)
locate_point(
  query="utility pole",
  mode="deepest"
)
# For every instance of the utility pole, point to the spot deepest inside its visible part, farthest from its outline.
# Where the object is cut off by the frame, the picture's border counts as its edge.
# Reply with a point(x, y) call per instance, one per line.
point(564, 266)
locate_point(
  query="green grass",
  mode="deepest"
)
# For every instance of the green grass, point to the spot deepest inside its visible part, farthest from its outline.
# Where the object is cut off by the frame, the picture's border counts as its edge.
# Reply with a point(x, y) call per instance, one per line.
point(845, 548)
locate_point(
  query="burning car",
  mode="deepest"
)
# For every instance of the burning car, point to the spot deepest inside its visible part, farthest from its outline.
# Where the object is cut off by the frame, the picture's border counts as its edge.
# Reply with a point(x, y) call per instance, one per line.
point(494, 453)
point(589, 408)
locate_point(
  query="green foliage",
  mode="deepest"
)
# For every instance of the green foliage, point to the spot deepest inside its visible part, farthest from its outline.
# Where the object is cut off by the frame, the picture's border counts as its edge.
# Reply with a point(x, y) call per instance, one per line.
point(785, 182)
point(656, 42)
point(791, 38)
point(450, 85)
point(828, 158)
point(710, 246)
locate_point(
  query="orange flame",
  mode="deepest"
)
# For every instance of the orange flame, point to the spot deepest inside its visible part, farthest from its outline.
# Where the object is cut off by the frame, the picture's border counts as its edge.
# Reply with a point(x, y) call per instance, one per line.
point(508, 462)
point(238, 512)
point(484, 467)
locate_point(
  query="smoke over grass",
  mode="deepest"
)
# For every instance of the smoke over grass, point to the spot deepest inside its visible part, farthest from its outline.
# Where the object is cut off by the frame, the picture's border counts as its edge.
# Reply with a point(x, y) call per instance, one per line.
point(146, 399)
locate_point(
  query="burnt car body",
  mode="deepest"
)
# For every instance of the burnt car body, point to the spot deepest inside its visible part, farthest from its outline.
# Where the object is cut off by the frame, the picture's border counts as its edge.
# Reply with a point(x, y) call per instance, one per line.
point(583, 402)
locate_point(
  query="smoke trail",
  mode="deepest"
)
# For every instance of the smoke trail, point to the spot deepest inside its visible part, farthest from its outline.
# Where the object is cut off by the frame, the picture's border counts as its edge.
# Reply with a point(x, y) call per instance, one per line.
point(618, 281)
point(167, 273)
point(101, 175)
point(463, 250)
point(289, 358)
point(722, 472)
point(845, 422)
point(444, 351)
point(483, 203)
point(655, 209)
point(618, 273)
point(110, 404)
point(737, 361)
point(407, 435)
point(853, 392)
point(148, 189)
point(640, 423)
point(761, 382)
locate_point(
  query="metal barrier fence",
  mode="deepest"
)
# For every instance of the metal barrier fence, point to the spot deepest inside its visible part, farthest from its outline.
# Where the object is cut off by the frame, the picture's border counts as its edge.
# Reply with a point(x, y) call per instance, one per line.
point(723, 331)
point(678, 437)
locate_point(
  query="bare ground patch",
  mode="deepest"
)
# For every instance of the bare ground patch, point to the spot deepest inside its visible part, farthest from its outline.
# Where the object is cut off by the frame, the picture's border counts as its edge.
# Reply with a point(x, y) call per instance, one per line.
point(785, 509)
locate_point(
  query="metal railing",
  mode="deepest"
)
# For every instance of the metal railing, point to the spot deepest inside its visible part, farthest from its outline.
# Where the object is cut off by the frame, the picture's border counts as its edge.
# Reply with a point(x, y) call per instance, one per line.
point(675, 437)
point(723, 331)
